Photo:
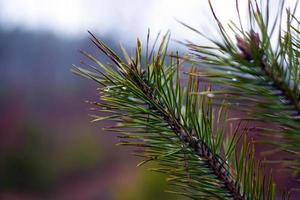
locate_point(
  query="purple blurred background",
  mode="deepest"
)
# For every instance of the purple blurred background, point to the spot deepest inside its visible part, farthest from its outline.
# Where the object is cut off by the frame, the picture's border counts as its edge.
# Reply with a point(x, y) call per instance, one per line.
point(48, 147)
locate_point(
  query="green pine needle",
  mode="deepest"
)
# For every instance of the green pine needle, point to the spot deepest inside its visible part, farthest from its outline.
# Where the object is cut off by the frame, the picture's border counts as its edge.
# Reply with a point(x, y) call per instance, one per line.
point(152, 106)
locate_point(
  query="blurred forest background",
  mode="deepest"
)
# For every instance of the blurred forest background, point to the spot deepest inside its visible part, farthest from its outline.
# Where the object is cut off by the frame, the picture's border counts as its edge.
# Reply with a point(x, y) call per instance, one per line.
point(48, 147)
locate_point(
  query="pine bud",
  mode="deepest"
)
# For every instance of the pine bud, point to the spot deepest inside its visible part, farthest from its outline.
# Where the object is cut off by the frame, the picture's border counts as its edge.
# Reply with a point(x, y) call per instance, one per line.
point(246, 46)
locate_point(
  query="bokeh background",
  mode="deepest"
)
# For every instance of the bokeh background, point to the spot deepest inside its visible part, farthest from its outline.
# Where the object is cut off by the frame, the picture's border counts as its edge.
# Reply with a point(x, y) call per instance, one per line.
point(49, 149)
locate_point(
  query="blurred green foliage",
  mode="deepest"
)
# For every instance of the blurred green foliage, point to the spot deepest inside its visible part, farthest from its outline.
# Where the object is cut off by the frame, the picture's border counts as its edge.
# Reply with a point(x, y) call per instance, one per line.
point(145, 185)
point(82, 152)
point(30, 166)
point(36, 166)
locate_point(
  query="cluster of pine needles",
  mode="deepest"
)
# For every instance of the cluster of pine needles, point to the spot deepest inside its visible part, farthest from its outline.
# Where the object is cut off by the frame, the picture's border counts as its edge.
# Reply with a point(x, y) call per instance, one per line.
point(175, 109)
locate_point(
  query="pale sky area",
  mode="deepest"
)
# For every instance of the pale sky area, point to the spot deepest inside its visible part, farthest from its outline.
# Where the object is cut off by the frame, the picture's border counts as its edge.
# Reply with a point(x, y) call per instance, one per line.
point(127, 19)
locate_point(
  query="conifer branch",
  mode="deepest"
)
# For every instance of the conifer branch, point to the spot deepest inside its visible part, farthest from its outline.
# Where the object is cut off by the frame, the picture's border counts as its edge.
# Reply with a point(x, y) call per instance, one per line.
point(279, 83)
point(154, 111)
point(259, 76)
point(215, 162)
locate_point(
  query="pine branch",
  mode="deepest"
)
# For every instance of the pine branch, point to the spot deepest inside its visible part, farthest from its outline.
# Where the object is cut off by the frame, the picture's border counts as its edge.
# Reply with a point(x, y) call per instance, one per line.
point(180, 131)
point(215, 162)
point(281, 85)
point(257, 78)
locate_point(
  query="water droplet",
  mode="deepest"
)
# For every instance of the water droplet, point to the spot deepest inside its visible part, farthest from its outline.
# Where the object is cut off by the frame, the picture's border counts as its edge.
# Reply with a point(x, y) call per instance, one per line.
point(210, 95)
point(132, 98)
